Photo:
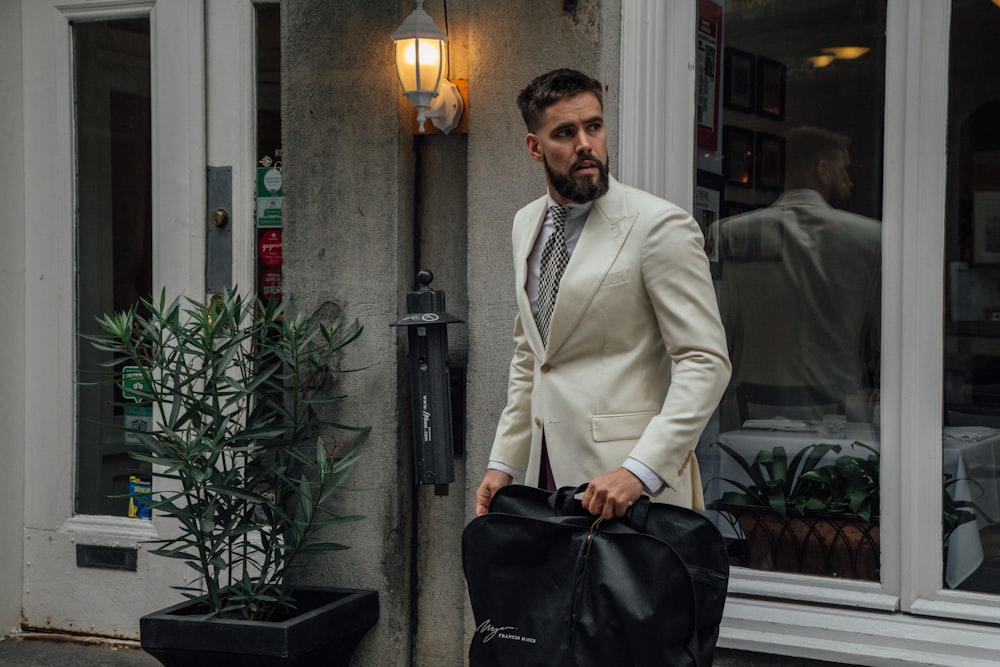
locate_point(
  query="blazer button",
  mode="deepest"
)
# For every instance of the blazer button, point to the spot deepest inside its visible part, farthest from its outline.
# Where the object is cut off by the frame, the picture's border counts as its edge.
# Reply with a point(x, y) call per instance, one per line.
point(546, 368)
point(538, 422)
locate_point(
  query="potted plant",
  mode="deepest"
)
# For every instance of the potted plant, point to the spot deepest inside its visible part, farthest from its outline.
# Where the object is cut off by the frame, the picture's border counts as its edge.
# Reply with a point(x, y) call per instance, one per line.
point(247, 469)
point(799, 516)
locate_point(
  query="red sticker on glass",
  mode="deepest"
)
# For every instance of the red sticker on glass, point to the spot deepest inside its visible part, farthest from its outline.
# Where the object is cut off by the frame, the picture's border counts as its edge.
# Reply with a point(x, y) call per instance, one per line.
point(269, 248)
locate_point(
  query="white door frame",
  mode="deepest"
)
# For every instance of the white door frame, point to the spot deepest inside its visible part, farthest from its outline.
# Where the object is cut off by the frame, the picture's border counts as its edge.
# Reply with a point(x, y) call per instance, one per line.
point(57, 593)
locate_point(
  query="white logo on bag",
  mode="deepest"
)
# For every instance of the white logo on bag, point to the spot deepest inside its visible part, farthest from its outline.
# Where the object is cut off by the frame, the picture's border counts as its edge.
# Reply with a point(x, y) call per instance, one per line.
point(491, 632)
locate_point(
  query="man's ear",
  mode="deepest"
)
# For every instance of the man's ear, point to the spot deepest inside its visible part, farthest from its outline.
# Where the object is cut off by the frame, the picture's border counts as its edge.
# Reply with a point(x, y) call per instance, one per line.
point(534, 147)
point(823, 172)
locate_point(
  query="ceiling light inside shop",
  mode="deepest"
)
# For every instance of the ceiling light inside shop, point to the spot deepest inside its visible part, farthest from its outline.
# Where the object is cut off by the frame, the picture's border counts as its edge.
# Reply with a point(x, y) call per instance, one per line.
point(821, 61)
point(847, 52)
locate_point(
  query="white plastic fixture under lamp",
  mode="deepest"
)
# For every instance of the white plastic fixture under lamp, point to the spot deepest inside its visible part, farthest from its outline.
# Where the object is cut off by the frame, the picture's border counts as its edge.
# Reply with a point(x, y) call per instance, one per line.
point(421, 50)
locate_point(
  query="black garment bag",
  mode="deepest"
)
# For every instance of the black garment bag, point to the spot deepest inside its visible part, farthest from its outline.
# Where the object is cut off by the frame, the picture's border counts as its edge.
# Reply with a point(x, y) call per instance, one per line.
point(553, 586)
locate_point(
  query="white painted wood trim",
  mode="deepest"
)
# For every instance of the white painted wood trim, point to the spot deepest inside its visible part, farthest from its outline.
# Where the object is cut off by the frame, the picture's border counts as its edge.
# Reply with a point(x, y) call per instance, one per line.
point(231, 131)
point(49, 261)
point(893, 172)
point(854, 636)
point(179, 146)
point(814, 590)
point(913, 251)
point(656, 146)
point(74, 10)
point(123, 528)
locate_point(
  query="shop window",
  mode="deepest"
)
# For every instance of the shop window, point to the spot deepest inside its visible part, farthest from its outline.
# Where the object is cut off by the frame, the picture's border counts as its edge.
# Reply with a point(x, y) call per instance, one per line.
point(790, 106)
point(971, 410)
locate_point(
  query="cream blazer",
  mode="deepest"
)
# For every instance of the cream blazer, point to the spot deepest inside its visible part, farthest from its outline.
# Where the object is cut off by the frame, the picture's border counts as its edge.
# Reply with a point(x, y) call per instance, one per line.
point(636, 361)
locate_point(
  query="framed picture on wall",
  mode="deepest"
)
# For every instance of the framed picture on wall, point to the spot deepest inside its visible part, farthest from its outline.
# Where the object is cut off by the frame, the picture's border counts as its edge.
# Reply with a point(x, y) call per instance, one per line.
point(770, 88)
point(986, 226)
point(737, 156)
point(709, 74)
point(739, 80)
point(769, 151)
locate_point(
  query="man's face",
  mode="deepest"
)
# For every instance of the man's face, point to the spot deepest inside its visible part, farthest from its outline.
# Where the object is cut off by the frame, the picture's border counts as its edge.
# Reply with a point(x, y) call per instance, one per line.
point(572, 144)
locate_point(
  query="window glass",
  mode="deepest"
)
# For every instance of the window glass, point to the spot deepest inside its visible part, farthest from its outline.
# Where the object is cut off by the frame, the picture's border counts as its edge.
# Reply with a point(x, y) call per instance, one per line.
point(971, 411)
point(789, 194)
point(269, 184)
point(113, 241)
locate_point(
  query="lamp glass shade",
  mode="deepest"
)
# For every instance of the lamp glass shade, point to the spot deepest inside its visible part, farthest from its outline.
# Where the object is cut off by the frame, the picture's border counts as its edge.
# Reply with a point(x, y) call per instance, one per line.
point(420, 65)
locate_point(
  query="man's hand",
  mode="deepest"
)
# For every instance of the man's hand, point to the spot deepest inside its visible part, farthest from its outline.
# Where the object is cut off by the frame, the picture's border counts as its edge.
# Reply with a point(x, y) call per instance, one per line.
point(611, 494)
point(493, 481)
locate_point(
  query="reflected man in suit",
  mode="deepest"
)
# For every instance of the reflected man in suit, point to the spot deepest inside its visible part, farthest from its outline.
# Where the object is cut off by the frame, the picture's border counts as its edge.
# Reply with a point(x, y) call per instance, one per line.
point(634, 361)
point(801, 282)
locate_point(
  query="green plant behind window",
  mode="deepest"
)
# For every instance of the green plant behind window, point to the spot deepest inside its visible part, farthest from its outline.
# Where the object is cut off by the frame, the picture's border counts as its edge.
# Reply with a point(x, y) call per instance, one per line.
point(848, 485)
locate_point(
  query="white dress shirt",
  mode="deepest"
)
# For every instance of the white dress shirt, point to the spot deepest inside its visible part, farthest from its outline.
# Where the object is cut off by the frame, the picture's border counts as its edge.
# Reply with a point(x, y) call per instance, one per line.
point(576, 216)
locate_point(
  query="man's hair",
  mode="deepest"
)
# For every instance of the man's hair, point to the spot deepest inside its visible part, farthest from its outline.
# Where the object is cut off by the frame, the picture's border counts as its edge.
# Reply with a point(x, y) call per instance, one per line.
point(806, 145)
point(553, 87)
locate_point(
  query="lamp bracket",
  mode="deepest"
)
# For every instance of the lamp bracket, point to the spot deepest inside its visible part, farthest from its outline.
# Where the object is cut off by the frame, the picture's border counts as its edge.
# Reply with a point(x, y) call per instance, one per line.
point(446, 110)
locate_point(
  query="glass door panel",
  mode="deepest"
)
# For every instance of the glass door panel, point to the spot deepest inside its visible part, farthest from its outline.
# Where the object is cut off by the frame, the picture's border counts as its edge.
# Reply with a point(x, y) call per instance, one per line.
point(113, 240)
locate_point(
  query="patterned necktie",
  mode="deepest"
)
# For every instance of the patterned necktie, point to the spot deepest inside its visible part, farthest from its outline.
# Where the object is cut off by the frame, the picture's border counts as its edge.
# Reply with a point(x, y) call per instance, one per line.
point(555, 257)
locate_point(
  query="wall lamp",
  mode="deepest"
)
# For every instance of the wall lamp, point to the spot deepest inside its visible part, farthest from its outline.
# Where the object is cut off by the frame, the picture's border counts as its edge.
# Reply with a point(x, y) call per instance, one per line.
point(421, 52)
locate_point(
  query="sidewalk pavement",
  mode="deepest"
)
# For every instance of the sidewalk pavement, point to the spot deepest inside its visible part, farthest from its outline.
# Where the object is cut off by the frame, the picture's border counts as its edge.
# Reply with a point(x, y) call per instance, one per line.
point(45, 650)
point(49, 650)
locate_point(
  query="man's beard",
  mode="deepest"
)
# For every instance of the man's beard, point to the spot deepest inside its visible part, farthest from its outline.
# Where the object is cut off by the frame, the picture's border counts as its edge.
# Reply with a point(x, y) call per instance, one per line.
point(580, 190)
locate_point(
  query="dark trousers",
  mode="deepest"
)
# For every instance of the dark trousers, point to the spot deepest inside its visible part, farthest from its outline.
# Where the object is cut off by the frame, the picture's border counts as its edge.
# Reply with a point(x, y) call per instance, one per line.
point(545, 479)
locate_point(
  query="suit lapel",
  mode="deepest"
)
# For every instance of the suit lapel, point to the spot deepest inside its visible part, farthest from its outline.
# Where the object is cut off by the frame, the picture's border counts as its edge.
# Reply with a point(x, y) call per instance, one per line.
point(534, 216)
point(604, 233)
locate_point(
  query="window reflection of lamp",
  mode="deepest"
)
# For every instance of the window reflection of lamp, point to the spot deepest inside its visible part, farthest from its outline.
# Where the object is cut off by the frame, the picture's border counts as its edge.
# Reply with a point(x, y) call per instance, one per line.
point(846, 52)
point(820, 62)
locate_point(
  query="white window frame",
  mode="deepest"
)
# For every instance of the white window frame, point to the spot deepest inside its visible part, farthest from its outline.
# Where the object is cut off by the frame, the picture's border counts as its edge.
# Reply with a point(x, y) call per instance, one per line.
point(907, 618)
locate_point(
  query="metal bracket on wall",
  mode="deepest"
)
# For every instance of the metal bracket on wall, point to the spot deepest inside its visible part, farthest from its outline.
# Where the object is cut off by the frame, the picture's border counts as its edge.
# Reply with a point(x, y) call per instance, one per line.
point(219, 231)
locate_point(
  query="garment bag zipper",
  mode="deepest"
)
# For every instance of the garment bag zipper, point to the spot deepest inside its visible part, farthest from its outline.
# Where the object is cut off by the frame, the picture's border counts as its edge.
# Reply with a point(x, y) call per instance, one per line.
point(581, 567)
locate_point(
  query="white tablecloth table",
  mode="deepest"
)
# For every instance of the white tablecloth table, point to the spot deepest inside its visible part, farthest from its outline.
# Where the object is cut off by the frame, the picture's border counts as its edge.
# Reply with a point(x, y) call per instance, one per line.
point(969, 453)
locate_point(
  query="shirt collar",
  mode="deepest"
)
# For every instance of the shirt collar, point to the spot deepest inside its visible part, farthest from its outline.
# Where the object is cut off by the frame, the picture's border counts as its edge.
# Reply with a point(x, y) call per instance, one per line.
point(574, 210)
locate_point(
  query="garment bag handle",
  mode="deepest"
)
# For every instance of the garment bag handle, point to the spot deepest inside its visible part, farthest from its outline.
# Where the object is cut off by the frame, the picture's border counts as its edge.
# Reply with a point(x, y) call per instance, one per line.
point(563, 501)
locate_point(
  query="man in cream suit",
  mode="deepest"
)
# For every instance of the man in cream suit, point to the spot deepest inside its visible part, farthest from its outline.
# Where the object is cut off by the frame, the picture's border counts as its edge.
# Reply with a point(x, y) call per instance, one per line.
point(613, 381)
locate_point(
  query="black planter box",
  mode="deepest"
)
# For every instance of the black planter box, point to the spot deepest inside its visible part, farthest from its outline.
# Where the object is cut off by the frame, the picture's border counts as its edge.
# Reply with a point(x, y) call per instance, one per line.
point(327, 629)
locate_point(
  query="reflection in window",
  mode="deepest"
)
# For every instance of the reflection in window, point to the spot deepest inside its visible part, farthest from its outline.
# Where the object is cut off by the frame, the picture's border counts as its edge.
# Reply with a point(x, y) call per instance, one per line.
point(789, 173)
point(972, 278)
point(269, 277)
point(114, 240)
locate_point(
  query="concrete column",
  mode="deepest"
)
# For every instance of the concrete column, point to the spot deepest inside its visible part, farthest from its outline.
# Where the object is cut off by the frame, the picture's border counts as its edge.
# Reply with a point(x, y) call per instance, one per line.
point(348, 175)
